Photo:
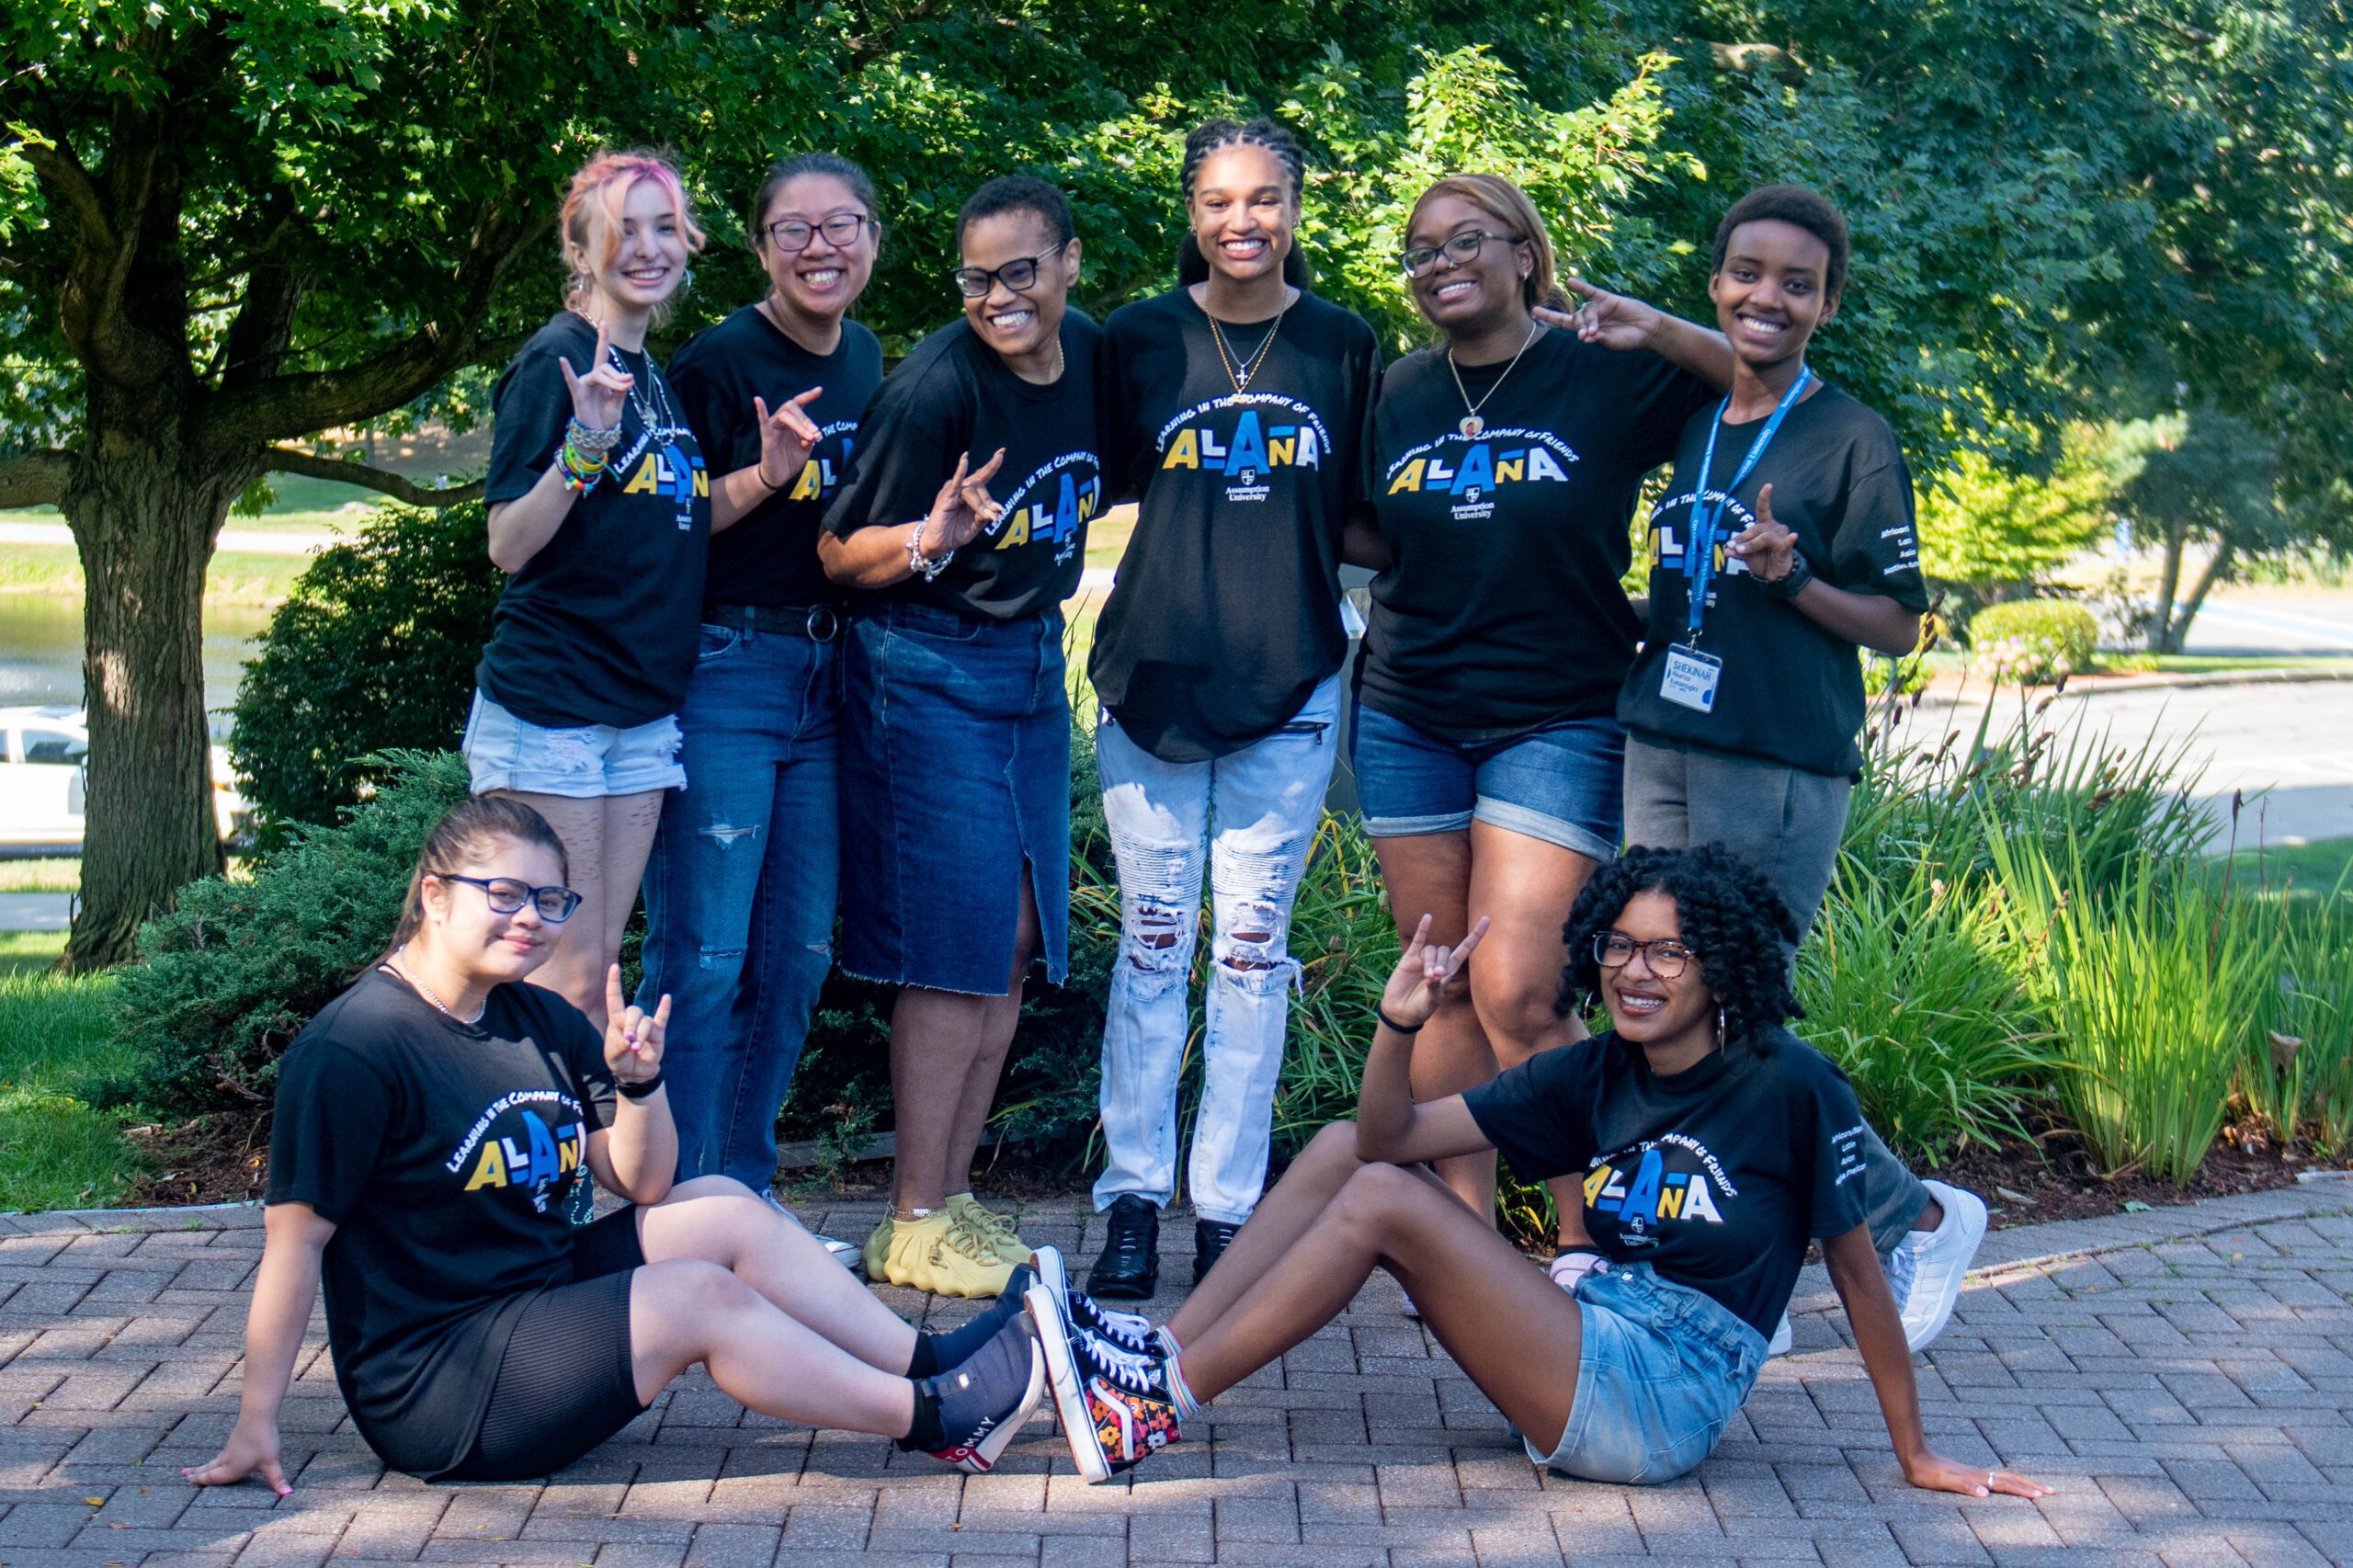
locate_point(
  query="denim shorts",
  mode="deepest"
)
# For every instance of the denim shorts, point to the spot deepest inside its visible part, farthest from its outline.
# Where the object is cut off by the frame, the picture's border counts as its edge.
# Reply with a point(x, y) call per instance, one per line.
point(584, 761)
point(955, 774)
point(1662, 1371)
point(1563, 784)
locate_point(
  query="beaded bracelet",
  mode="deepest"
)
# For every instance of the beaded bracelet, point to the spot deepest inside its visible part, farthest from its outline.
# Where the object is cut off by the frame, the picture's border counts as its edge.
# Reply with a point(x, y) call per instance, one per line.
point(922, 565)
point(580, 473)
point(588, 438)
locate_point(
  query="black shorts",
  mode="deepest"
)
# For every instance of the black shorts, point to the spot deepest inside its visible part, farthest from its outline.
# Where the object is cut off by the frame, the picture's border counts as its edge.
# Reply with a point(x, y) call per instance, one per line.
point(566, 1383)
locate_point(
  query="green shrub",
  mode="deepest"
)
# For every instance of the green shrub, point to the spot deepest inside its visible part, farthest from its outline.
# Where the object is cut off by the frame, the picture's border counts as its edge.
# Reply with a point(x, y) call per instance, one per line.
point(1913, 987)
point(2033, 640)
point(224, 982)
point(373, 651)
point(2152, 988)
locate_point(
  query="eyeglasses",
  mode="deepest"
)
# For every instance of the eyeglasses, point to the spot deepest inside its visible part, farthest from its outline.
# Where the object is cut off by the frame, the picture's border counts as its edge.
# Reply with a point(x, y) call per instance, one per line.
point(841, 231)
point(507, 895)
point(1667, 957)
point(1462, 248)
point(973, 283)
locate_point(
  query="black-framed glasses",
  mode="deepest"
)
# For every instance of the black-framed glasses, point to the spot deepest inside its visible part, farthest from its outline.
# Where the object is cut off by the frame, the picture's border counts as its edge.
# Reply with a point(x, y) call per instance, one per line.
point(507, 895)
point(841, 231)
point(1018, 275)
point(1667, 957)
point(1462, 248)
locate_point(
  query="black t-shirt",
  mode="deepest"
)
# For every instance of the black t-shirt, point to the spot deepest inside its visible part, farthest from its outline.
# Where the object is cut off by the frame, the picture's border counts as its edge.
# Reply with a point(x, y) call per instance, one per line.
point(954, 395)
point(1501, 612)
point(1225, 612)
point(598, 628)
point(1716, 1177)
point(451, 1158)
point(769, 556)
point(1792, 691)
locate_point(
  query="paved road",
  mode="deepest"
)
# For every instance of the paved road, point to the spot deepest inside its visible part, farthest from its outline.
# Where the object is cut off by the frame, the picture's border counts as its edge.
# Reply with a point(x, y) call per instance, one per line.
point(2292, 742)
point(2189, 1398)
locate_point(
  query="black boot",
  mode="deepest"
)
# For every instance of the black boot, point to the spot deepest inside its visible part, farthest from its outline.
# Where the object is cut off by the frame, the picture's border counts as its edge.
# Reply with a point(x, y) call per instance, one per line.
point(1210, 1241)
point(1128, 1268)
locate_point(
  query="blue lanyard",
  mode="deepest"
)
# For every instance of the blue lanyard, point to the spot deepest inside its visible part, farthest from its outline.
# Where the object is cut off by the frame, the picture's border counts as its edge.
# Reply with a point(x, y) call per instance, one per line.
point(1700, 551)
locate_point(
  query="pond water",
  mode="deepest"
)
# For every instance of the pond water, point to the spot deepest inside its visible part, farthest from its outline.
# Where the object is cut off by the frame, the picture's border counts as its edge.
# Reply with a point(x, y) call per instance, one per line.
point(40, 650)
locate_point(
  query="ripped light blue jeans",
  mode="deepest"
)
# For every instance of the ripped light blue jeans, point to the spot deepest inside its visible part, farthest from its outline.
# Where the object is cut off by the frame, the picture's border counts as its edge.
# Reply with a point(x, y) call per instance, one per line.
point(1248, 819)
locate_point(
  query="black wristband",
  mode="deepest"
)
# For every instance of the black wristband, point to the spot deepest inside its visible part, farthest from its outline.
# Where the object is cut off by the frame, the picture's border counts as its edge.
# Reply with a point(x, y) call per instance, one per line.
point(1789, 584)
point(638, 1091)
point(1389, 1023)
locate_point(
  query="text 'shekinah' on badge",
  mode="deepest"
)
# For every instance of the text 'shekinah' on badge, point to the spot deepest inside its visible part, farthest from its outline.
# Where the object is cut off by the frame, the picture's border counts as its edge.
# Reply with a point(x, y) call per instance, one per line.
point(1689, 679)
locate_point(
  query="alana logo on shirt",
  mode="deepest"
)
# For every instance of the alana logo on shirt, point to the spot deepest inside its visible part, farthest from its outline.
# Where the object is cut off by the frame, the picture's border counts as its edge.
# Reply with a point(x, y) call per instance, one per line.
point(670, 470)
point(1652, 1197)
point(1052, 505)
point(1246, 436)
point(1483, 466)
point(1670, 540)
point(542, 1147)
point(818, 475)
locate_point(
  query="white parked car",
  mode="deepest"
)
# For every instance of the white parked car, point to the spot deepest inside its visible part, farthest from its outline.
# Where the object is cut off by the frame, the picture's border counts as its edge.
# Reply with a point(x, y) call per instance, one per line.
point(44, 790)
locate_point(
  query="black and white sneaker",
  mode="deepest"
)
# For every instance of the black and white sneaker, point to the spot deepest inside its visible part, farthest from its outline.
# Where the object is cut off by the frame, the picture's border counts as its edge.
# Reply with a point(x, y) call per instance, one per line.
point(986, 1401)
point(1082, 1314)
point(1116, 1405)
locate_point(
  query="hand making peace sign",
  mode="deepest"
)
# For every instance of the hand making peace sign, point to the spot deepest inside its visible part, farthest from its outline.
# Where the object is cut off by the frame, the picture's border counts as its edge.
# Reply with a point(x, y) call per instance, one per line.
point(1613, 320)
point(962, 508)
point(597, 397)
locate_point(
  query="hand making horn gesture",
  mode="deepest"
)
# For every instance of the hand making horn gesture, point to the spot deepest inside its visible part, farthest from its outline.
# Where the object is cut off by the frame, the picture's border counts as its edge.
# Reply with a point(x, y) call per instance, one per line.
point(1425, 975)
point(787, 438)
point(962, 508)
point(633, 1040)
point(1768, 549)
point(597, 397)
point(1614, 321)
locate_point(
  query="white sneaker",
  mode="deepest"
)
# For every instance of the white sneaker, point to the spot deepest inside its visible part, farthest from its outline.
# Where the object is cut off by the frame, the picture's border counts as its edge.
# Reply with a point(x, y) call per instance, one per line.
point(1941, 1260)
point(841, 1252)
point(1783, 1341)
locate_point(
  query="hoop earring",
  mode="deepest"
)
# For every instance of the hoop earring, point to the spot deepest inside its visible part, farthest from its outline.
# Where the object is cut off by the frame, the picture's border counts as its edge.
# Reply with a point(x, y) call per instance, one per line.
point(1721, 1028)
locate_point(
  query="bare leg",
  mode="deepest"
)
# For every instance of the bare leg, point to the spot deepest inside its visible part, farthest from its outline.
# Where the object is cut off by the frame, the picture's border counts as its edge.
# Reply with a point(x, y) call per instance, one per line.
point(630, 824)
point(718, 1220)
point(1524, 886)
point(576, 970)
point(1430, 874)
point(1503, 1322)
point(686, 1310)
point(1282, 1217)
point(1000, 1016)
point(934, 1038)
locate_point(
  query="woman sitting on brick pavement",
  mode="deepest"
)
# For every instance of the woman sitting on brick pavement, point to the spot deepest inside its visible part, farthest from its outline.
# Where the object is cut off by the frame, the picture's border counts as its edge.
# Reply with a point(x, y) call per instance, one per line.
point(1711, 1144)
point(435, 1128)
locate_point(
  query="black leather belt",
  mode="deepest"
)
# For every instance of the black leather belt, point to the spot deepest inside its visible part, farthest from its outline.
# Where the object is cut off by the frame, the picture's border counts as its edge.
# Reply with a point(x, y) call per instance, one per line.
point(819, 623)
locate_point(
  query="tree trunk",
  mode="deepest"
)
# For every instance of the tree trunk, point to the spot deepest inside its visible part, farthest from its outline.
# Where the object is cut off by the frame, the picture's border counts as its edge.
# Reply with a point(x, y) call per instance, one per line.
point(145, 506)
point(2168, 584)
point(2215, 570)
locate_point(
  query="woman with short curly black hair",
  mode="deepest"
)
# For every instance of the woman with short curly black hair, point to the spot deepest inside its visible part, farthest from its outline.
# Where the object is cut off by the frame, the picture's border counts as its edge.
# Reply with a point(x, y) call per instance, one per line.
point(1711, 1144)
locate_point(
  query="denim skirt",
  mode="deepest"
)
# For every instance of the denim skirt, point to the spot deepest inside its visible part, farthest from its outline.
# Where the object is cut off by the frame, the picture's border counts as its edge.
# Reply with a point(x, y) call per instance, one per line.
point(955, 777)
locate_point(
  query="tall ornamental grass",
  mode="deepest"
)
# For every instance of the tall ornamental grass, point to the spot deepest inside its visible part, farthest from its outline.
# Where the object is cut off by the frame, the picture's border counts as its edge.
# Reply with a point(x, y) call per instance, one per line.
point(2297, 1071)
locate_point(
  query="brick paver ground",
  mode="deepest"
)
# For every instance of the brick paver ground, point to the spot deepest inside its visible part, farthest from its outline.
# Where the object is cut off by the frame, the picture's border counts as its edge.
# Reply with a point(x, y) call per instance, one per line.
point(2185, 1378)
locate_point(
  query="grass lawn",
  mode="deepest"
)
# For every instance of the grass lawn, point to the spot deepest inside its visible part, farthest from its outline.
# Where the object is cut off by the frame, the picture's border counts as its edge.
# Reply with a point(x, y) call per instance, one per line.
point(56, 1045)
point(61, 874)
point(2301, 873)
point(232, 579)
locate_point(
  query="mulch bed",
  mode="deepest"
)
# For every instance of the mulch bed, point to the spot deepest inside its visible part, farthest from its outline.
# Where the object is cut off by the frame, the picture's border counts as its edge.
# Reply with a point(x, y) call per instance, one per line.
point(224, 1159)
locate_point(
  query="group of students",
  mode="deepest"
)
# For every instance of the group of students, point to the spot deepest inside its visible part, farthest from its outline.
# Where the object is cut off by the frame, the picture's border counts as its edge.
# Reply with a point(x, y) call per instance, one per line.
point(678, 691)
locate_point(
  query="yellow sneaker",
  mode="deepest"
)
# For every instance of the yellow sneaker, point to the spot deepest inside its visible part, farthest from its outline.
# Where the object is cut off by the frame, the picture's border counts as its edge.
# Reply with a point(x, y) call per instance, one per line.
point(978, 1216)
point(878, 1246)
point(938, 1255)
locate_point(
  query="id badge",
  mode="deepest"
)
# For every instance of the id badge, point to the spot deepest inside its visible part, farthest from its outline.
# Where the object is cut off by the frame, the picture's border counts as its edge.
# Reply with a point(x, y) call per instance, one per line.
point(1689, 679)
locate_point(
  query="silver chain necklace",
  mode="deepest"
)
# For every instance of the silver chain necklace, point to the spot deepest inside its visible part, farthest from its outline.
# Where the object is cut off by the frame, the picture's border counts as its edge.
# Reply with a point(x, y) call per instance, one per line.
point(427, 992)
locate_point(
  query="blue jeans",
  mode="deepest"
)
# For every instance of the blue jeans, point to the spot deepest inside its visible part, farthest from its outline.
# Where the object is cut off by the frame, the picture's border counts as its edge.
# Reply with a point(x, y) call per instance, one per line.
point(739, 891)
point(1248, 819)
point(1661, 1371)
point(1560, 785)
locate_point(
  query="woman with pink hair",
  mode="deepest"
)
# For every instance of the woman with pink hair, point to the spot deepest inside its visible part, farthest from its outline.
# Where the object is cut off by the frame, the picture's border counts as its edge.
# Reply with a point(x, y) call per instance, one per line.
point(600, 515)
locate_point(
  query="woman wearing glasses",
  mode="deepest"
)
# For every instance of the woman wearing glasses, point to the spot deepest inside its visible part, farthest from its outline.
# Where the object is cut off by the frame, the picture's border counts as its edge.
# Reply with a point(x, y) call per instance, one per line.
point(600, 515)
point(1506, 460)
point(1237, 403)
point(436, 1127)
point(964, 519)
point(739, 891)
point(1708, 1144)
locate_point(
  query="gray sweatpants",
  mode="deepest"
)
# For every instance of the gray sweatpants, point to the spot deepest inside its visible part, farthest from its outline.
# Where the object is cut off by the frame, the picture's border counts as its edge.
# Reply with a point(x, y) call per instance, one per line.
point(1787, 823)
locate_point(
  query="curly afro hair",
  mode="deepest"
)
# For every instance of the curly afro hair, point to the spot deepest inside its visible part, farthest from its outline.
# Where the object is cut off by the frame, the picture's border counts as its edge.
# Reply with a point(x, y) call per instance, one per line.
point(1732, 919)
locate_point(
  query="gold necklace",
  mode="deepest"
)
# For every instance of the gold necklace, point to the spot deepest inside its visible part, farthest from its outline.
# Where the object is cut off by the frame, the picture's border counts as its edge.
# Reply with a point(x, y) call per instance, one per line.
point(1241, 377)
point(1472, 424)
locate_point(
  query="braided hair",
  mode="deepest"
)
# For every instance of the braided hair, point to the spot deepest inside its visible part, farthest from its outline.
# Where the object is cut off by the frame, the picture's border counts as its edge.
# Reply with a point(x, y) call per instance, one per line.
point(1732, 919)
point(1212, 135)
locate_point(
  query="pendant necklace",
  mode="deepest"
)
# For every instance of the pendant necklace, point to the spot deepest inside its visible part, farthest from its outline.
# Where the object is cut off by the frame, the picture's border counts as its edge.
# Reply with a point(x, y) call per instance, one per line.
point(1471, 424)
point(1249, 368)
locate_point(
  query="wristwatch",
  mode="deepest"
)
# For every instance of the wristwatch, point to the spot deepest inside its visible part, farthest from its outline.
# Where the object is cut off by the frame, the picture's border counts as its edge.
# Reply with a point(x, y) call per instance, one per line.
point(1789, 584)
